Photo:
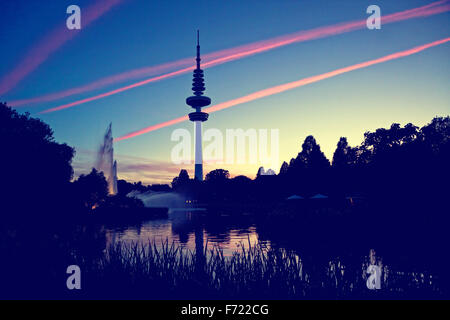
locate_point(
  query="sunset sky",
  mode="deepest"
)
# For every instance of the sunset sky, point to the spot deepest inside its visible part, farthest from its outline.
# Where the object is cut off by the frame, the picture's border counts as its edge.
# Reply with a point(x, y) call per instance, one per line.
point(43, 57)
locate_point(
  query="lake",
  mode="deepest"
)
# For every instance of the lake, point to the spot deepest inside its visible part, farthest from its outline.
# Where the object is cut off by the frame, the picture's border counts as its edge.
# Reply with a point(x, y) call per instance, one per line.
point(338, 261)
point(183, 227)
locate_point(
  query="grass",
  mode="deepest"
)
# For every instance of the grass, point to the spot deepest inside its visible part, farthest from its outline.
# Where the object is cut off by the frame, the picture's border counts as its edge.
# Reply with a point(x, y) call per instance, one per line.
point(168, 271)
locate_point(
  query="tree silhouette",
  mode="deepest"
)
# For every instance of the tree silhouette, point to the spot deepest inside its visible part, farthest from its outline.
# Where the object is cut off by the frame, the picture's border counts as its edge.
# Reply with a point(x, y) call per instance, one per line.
point(307, 172)
point(33, 163)
point(437, 136)
point(311, 157)
point(36, 206)
point(181, 181)
point(385, 139)
point(344, 155)
point(91, 189)
point(284, 168)
point(217, 176)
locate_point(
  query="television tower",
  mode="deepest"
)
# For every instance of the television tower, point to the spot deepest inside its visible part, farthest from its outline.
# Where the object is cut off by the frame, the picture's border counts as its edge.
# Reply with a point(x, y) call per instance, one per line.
point(198, 101)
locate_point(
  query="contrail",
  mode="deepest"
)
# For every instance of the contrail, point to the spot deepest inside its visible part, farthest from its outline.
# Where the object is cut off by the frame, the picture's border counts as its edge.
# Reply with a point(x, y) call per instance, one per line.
point(109, 93)
point(224, 56)
point(288, 86)
point(142, 72)
point(53, 41)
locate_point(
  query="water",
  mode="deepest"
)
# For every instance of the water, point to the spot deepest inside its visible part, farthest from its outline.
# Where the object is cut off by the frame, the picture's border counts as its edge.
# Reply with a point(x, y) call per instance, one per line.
point(152, 199)
point(105, 161)
point(183, 226)
point(195, 228)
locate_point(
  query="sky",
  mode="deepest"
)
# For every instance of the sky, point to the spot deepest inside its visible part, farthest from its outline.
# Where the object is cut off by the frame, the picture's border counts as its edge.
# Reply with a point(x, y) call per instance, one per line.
point(43, 57)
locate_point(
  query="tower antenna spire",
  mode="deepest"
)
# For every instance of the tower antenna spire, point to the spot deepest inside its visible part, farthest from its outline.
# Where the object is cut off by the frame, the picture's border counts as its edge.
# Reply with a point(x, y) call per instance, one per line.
point(198, 49)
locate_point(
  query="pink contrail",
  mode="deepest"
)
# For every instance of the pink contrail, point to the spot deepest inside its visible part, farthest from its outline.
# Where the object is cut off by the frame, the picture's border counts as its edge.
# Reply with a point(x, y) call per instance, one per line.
point(38, 54)
point(288, 86)
point(109, 93)
point(226, 55)
point(105, 82)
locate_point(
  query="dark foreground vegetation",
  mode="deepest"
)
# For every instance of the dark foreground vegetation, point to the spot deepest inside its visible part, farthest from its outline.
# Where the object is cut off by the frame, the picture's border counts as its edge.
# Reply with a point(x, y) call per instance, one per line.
point(167, 271)
point(399, 177)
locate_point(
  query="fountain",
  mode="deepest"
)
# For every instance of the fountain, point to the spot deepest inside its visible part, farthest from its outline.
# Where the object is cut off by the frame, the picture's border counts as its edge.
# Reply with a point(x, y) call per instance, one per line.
point(105, 161)
point(152, 199)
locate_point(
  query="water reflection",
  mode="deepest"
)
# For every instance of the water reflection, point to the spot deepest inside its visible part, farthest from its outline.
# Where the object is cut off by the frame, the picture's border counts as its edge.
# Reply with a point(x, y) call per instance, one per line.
point(192, 230)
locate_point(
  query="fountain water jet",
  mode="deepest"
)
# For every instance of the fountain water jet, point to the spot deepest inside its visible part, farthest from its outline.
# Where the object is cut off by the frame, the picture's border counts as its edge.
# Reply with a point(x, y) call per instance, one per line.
point(105, 161)
point(152, 199)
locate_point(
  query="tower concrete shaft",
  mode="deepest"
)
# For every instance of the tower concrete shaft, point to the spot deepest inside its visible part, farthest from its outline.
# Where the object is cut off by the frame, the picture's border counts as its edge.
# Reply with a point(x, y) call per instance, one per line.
point(198, 101)
point(198, 151)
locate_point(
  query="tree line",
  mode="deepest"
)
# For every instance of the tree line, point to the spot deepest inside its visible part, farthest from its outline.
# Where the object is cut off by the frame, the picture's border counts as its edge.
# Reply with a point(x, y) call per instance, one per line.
point(404, 163)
